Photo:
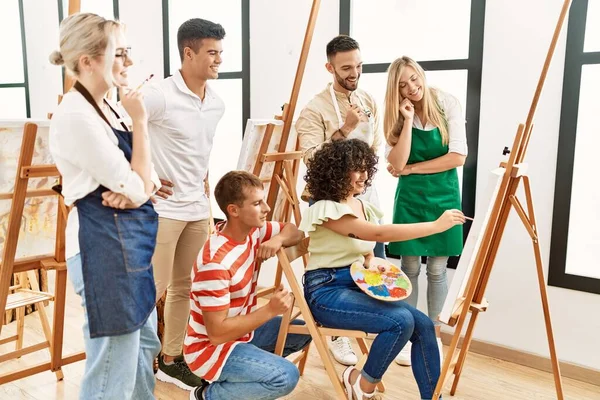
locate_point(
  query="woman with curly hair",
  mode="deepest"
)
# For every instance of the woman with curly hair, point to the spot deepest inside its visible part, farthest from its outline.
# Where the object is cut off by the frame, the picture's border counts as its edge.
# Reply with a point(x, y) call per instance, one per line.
point(343, 230)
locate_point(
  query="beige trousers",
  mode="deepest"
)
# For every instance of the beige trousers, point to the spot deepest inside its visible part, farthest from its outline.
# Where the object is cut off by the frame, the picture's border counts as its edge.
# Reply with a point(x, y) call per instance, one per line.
point(177, 246)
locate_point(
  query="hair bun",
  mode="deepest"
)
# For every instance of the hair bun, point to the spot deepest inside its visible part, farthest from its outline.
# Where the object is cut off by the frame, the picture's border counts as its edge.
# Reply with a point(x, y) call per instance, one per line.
point(56, 58)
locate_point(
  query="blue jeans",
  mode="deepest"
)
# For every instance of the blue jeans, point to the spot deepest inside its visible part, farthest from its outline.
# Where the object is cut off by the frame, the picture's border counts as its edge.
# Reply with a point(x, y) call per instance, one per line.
point(437, 283)
point(379, 250)
point(337, 302)
point(253, 372)
point(116, 367)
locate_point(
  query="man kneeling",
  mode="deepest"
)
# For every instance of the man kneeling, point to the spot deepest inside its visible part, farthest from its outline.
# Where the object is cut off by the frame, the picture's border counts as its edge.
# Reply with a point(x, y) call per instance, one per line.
point(229, 340)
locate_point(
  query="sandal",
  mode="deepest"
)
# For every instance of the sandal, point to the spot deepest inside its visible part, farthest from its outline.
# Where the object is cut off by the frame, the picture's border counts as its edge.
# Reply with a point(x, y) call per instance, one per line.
point(354, 391)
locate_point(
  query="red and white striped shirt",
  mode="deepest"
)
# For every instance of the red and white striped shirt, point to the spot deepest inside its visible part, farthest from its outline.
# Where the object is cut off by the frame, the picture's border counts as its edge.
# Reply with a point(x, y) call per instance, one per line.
point(224, 278)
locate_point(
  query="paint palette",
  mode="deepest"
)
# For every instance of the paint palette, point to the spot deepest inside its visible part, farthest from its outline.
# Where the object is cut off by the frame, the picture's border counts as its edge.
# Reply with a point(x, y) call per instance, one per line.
point(381, 280)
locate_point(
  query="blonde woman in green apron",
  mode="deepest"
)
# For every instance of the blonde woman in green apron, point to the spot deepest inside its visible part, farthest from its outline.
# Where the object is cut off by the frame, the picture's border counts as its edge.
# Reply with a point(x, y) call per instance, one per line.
point(426, 142)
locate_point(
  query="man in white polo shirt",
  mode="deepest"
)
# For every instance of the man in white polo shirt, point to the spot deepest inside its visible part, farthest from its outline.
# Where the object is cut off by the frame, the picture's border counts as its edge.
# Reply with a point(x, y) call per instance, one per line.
point(183, 113)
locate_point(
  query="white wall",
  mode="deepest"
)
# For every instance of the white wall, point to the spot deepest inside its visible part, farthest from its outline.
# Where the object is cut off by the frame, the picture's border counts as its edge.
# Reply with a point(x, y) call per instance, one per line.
point(145, 36)
point(517, 35)
point(514, 53)
point(276, 33)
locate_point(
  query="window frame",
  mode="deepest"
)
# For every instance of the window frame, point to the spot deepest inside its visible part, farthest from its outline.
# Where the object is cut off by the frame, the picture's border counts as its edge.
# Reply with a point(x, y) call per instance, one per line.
point(244, 74)
point(575, 59)
point(473, 65)
point(61, 16)
point(25, 83)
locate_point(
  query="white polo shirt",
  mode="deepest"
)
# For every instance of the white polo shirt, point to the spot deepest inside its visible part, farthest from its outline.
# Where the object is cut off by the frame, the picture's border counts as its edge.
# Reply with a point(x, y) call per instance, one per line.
point(182, 128)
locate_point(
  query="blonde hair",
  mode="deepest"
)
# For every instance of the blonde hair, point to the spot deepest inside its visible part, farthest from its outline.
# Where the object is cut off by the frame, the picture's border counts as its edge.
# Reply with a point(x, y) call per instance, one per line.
point(86, 34)
point(393, 119)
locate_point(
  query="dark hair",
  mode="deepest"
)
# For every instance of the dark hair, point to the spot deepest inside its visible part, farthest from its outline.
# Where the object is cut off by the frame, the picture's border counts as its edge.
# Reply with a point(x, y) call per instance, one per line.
point(230, 188)
point(339, 44)
point(328, 175)
point(192, 31)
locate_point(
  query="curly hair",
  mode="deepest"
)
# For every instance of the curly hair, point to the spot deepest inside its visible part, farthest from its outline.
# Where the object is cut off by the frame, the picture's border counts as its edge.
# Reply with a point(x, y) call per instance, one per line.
point(328, 175)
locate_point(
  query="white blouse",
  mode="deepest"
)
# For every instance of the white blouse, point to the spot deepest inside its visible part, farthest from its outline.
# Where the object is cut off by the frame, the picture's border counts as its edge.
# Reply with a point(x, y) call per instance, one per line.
point(86, 153)
point(457, 135)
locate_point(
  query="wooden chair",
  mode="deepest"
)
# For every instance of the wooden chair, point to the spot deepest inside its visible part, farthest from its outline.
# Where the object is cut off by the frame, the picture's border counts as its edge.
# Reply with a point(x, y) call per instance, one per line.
point(318, 333)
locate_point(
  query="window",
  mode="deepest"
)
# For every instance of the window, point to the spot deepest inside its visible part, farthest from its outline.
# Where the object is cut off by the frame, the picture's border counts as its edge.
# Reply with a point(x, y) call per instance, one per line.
point(452, 64)
point(575, 229)
point(108, 9)
point(233, 84)
point(105, 8)
point(14, 86)
point(399, 29)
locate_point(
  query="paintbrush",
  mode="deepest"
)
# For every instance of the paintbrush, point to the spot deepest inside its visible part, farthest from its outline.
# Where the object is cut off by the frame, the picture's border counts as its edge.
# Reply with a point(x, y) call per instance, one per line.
point(143, 83)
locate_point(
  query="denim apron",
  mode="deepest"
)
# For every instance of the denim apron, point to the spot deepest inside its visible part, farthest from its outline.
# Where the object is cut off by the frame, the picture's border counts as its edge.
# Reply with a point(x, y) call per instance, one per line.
point(116, 248)
point(424, 197)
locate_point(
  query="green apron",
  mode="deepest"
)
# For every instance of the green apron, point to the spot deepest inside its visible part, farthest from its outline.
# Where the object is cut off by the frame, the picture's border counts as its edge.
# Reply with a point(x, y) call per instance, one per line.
point(424, 197)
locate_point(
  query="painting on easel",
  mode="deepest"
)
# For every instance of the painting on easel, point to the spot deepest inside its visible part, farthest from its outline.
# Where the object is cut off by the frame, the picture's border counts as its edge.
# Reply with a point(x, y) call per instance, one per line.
point(38, 227)
point(38, 230)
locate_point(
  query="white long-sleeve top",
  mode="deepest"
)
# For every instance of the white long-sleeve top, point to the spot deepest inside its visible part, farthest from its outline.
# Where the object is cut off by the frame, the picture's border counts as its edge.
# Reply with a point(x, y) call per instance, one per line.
point(457, 134)
point(86, 153)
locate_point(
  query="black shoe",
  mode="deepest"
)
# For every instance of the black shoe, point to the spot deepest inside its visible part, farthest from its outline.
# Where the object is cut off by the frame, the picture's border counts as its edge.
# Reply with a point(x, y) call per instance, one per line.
point(196, 393)
point(178, 374)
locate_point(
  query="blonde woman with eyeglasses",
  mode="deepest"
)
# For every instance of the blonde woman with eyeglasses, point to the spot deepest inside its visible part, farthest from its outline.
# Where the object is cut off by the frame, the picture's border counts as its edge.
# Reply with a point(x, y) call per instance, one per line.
point(111, 231)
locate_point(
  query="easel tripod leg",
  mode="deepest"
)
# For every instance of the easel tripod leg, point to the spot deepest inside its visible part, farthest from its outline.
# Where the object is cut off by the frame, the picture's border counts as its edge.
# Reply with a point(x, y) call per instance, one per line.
point(463, 351)
point(58, 322)
point(445, 368)
point(544, 294)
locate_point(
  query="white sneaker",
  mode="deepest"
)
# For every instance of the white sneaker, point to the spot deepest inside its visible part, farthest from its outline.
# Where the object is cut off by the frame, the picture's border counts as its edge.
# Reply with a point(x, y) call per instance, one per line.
point(341, 349)
point(441, 348)
point(403, 358)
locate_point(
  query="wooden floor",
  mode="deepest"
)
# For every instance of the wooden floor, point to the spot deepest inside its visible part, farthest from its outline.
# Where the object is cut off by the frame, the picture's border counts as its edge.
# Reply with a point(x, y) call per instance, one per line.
point(484, 378)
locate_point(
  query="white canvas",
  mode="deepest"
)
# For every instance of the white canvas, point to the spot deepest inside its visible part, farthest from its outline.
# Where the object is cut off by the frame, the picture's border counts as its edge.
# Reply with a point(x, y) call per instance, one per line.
point(472, 245)
point(253, 136)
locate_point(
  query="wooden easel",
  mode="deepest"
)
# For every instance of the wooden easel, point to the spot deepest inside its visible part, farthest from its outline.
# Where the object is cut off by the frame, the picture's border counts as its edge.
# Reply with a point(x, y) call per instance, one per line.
point(29, 294)
point(287, 163)
point(28, 291)
point(515, 171)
